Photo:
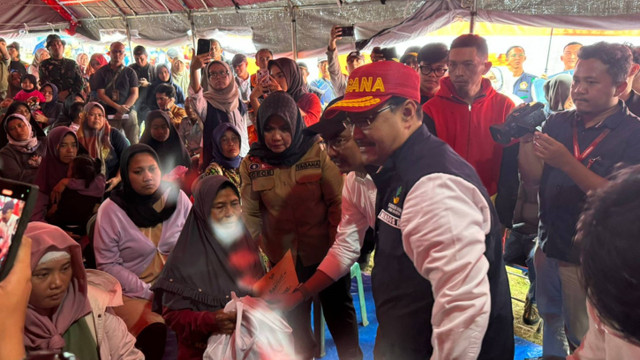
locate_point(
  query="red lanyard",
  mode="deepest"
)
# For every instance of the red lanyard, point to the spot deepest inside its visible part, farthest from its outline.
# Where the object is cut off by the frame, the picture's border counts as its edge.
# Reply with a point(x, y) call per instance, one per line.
point(576, 147)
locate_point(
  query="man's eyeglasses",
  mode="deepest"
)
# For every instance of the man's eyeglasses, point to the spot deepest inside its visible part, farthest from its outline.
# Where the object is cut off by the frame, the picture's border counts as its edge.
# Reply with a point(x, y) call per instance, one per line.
point(339, 142)
point(426, 70)
point(218, 74)
point(364, 123)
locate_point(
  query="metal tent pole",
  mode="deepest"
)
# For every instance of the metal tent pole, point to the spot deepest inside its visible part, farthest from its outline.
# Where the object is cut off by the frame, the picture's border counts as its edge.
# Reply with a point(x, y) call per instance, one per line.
point(546, 65)
point(294, 31)
point(128, 28)
point(474, 13)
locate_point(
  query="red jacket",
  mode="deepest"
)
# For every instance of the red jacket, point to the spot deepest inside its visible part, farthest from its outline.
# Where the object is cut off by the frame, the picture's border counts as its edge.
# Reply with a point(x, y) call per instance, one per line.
point(466, 127)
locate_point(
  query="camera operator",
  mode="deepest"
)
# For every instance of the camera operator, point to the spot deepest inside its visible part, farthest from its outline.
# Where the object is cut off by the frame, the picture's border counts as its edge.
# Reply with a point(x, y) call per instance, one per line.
point(574, 154)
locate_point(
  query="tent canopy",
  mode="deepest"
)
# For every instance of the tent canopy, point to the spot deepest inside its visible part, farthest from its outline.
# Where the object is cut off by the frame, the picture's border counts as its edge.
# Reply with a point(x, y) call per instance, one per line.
point(169, 22)
point(268, 23)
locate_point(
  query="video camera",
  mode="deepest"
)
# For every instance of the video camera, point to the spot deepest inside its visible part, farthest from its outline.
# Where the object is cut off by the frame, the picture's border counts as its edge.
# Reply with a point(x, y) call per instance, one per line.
point(520, 122)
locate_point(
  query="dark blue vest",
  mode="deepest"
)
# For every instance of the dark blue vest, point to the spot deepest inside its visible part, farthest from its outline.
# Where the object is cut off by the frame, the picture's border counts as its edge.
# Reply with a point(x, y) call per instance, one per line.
point(403, 298)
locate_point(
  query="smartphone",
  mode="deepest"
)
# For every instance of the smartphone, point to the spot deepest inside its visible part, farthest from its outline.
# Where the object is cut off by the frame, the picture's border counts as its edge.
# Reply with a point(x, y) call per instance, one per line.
point(16, 203)
point(262, 77)
point(204, 46)
point(347, 31)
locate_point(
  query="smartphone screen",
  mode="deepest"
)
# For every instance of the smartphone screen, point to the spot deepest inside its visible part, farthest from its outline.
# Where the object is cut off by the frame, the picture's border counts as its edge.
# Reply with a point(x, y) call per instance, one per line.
point(263, 76)
point(16, 203)
point(204, 46)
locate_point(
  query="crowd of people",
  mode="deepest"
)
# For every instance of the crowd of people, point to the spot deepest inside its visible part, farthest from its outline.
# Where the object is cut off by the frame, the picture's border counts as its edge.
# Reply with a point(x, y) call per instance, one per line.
point(163, 190)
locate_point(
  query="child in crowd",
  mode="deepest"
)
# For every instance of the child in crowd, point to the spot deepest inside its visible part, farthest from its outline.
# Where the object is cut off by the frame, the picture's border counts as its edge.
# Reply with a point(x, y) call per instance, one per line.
point(30, 93)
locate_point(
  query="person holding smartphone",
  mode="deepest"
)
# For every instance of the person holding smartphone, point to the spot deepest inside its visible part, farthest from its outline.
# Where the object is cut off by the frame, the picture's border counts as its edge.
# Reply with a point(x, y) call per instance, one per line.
point(221, 103)
point(354, 60)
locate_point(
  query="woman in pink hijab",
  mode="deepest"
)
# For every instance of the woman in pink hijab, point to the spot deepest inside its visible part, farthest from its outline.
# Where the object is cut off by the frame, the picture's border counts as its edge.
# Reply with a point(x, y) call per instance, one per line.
point(68, 305)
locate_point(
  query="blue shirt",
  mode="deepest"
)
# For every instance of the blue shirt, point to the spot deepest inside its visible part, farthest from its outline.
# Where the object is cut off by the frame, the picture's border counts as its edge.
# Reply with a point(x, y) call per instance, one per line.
point(325, 90)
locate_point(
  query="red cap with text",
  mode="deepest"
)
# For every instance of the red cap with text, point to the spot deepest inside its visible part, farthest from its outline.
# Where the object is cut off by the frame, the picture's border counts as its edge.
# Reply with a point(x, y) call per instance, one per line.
point(373, 84)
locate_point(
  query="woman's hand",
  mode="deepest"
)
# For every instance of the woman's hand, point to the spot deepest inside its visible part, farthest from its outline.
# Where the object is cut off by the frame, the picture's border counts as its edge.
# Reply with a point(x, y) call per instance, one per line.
point(39, 117)
point(56, 193)
point(5, 103)
point(273, 85)
point(226, 321)
point(113, 182)
point(199, 61)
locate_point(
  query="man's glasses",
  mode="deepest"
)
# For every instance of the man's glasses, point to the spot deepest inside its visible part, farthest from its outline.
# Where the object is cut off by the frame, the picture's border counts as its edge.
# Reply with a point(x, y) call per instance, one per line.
point(426, 70)
point(218, 74)
point(339, 142)
point(364, 123)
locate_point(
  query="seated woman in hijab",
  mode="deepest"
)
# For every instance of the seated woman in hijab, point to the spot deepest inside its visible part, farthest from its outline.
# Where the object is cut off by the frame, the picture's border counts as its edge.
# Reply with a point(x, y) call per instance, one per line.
point(286, 76)
point(62, 148)
point(18, 107)
point(135, 231)
point(68, 306)
point(162, 136)
point(221, 103)
point(100, 141)
point(226, 154)
point(41, 55)
point(51, 109)
point(22, 156)
point(163, 76)
point(213, 257)
point(291, 200)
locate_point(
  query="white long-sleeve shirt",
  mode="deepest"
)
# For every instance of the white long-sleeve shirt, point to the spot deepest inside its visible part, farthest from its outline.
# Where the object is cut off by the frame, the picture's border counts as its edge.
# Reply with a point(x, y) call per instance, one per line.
point(358, 214)
point(444, 222)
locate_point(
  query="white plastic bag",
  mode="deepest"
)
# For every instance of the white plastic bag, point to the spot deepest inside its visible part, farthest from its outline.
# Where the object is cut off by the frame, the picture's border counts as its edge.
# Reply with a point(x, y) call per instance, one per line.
point(260, 334)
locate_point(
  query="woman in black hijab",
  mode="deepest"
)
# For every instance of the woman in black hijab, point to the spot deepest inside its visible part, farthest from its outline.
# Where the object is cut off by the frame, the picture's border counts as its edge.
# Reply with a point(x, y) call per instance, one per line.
point(291, 200)
point(214, 256)
point(136, 229)
point(162, 136)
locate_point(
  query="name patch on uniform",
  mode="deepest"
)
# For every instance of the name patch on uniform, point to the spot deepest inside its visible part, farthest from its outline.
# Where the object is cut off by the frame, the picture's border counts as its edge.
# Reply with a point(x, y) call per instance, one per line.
point(389, 219)
point(260, 173)
point(308, 165)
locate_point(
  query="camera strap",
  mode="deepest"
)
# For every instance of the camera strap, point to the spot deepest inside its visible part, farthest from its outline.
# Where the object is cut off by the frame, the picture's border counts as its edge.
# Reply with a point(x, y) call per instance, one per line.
point(580, 156)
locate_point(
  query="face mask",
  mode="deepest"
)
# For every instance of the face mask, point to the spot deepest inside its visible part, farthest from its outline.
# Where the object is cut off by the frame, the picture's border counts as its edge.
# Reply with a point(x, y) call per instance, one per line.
point(229, 232)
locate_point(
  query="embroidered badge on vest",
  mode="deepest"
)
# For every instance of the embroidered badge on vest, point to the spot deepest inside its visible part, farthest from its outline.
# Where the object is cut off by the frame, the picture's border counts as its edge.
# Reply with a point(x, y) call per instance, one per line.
point(260, 173)
point(524, 85)
point(308, 165)
point(396, 199)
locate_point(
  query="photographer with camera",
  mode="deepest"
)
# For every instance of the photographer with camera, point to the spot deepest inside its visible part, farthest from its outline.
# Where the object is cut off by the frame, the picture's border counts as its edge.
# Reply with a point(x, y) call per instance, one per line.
point(574, 154)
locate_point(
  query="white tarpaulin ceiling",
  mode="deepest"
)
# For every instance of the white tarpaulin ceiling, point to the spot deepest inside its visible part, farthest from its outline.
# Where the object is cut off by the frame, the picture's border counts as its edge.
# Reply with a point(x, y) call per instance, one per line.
point(269, 22)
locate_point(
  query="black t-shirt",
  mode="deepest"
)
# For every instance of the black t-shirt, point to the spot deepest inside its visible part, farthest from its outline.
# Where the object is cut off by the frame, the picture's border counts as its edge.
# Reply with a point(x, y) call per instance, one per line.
point(116, 83)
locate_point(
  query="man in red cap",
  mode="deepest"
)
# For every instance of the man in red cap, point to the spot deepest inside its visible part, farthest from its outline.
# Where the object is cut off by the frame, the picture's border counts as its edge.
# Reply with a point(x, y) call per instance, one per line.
point(439, 282)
